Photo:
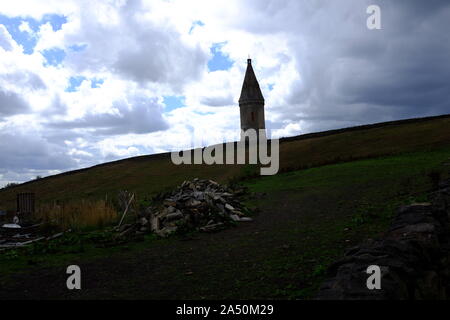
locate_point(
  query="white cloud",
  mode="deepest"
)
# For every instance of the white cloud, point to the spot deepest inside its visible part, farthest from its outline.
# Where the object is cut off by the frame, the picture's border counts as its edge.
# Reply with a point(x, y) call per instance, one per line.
point(6, 41)
point(318, 66)
point(37, 9)
point(25, 27)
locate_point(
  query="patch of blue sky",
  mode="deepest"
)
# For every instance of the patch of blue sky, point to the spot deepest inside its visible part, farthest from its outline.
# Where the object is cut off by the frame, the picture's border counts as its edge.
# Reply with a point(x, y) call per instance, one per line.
point(219, 61)
point(204, 113)
point(95, 83)
point(78, 47)
point(74, 83)
point(53, 56)
point(55, 20)
point(25, 39)
point(195, 24)
point(270, 85)
point(173, 102)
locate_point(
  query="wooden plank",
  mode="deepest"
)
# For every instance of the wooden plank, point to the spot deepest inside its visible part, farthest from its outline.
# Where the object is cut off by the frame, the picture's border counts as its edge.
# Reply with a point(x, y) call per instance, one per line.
point(126, 209)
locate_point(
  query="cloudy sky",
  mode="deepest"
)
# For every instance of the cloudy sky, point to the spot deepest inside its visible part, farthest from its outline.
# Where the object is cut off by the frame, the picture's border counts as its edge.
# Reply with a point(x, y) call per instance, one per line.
point(83, 82)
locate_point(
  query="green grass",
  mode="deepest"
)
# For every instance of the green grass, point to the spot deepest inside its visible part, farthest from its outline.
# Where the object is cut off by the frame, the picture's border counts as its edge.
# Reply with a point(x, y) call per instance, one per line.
point(77, 246)
point(317, 214)
point(362, 197)
point(402, 168)
point(307, 218)
point(148, 175)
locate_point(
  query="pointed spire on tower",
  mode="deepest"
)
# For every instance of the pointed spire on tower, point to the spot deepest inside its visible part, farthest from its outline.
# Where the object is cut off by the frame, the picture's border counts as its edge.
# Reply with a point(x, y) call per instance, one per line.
point(250, 93)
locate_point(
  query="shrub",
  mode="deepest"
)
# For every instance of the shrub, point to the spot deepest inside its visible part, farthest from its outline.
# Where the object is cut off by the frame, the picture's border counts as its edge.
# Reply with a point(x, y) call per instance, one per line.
point(10, 185)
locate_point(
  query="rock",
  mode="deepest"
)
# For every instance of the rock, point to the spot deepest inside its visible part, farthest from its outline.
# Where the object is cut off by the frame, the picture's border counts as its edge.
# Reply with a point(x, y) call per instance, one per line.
point(143, 221)
point(171, 209)
point(429, 286)
point(174, 216)
point(416, 228)
point(413, 255)
point(165, 232)
point(124, 227)
point(11, 226)
point(127, 231)
point(198, 195)
point(170, 203)
point(212, 227)
point(163, 213)
point(154, 222)
point(203, 205)
point(219, 198)
point(235, 217)
point(229, 207)
point(193, 203)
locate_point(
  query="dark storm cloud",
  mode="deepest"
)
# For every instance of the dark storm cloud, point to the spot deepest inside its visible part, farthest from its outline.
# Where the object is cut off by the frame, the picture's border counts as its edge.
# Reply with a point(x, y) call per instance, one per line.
point(12, 103)
point(136, 49)
point(158, 57)
point(350, 74)
point(137, 116)
point(57, 107)
point(24, 79)
point(57, 136)
point(31, 152)
point(217, 101)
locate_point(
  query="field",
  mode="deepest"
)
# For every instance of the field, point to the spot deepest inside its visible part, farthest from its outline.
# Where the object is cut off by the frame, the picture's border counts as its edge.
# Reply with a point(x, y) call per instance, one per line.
point(335, 190)
point(147, 175)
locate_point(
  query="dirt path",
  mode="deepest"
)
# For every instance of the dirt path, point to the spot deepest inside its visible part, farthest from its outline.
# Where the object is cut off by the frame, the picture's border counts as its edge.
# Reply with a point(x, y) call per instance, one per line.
point(271, 257)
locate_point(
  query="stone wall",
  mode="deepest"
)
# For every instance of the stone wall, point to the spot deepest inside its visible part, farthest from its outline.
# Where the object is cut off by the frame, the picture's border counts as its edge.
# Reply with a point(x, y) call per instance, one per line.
point(413, 255)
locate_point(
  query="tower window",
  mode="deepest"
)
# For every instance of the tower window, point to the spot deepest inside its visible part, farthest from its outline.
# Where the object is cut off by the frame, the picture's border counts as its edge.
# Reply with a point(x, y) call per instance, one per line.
point(253, 116)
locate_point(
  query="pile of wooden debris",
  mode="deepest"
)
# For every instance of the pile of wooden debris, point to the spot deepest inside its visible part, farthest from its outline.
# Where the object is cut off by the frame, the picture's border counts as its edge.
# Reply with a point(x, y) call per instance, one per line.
point(197, 205)
point(13, 235)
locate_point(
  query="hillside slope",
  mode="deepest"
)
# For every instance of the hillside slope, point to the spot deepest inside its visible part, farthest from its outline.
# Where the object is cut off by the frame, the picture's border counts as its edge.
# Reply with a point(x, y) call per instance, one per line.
point(149, 174)
point(307, 219)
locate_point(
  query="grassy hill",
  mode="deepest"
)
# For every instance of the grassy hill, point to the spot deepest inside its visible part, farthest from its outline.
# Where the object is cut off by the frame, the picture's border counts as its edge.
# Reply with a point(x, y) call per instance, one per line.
point(149, 174)
point(350, 184)
point(307, 219)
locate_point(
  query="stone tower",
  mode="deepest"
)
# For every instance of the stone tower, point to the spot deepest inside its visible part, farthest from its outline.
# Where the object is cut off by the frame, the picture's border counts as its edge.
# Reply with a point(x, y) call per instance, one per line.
point(251, 102)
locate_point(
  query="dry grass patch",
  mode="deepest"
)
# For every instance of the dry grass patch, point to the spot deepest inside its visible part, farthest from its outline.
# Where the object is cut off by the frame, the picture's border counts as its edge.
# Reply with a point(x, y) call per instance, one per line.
point(78, 214)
